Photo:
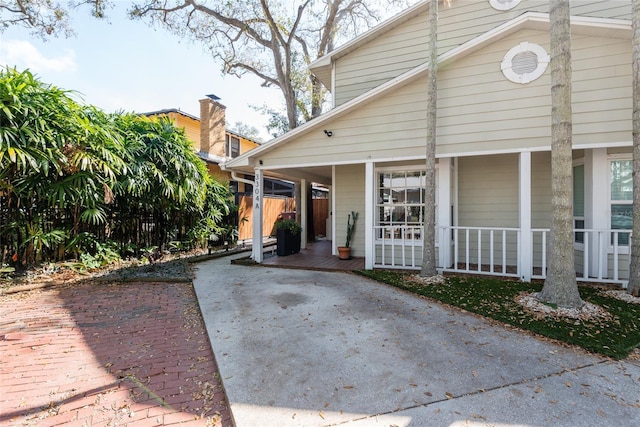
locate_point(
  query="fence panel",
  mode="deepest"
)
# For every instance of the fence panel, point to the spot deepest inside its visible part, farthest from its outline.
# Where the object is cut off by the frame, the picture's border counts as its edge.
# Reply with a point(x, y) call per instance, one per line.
point(272, 208)
point(320, 215)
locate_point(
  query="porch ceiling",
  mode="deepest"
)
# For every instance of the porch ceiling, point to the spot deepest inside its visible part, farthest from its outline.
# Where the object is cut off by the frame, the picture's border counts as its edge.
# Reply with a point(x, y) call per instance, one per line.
point(317, 174)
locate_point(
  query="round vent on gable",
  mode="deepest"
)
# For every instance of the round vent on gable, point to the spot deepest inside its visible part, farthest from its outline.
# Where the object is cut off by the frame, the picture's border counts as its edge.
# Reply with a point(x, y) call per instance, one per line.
point(503, 4)
point(524, 63)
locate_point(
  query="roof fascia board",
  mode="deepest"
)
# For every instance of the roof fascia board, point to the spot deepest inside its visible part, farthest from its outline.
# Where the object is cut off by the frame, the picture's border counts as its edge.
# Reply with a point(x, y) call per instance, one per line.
point(168, 111)
point(607, 23)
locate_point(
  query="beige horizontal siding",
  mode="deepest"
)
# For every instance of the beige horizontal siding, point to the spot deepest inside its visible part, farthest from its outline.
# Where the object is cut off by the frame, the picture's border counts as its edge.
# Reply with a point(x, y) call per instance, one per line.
point(480, 110)
point(349, 196)
point(602, 78)
point(488, 195)
point(405, 47)
point(613, 9)
point(488, 191)
point(400, 50)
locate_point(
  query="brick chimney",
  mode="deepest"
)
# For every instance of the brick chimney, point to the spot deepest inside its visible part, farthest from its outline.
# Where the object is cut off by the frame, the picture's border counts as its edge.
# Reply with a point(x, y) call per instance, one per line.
point(212, 126)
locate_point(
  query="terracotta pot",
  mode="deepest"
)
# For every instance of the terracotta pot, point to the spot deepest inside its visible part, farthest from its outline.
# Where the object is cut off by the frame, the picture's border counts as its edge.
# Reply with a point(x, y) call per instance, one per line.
point(344, 252)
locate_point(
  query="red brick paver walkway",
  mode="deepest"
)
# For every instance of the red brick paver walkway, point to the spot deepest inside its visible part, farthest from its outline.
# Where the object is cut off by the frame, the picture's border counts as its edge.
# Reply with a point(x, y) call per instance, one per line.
point(108, 355)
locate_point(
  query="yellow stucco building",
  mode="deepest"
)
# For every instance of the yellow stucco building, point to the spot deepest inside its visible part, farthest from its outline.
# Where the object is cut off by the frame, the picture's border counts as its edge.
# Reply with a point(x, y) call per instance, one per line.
point(213, 142)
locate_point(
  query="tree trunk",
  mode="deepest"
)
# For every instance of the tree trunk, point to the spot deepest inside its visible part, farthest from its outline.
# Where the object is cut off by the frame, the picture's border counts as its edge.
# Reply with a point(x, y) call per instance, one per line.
point(634, 274)
point(560, 287)
point(429, 232)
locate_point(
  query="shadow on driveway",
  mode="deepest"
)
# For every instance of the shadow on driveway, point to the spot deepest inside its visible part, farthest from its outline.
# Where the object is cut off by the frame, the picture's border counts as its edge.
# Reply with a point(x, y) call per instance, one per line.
point(131, 354)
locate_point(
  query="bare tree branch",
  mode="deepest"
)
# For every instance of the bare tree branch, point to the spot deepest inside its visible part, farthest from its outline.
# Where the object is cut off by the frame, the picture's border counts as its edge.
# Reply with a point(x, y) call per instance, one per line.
point(274, 40)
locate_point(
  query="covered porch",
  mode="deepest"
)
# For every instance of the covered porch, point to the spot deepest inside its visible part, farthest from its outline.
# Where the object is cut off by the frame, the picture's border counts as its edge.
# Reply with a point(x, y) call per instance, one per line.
point(493, 213)
point(316, 256)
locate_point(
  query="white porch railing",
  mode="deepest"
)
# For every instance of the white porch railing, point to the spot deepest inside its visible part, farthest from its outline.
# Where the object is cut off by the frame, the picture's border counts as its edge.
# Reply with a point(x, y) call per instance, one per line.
point(398, 246)
point(600, 255)
point(484, 250)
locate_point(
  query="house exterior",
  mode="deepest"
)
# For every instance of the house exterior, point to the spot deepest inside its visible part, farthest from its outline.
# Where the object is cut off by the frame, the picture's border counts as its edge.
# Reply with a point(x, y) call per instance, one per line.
point(493, 143)
point(214, 143)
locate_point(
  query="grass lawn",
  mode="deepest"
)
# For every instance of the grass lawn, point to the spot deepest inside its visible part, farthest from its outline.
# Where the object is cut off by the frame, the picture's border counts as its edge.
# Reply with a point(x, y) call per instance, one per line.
point(615, 336)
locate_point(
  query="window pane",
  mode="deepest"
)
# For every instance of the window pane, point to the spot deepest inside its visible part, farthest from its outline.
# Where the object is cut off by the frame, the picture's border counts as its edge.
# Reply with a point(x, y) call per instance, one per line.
point(383, 196)
point(622, 219)
point(414, 195)
point(578, 190)
point(414, 215)
point(579, 235)
point(397, 214)
point(413, 179)
point(398, 180)
point(397, 196)
point(400, 204)
point(385, 180)
point(621, 180)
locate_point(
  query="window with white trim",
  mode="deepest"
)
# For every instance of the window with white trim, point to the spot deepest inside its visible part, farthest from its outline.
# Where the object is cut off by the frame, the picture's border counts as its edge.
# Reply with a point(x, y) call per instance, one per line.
point(503, 4)
point(621, 198)
point(400, 203)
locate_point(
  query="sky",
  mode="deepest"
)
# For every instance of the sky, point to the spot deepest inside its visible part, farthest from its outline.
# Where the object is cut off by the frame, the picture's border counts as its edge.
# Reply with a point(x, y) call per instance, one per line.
point(125, 65)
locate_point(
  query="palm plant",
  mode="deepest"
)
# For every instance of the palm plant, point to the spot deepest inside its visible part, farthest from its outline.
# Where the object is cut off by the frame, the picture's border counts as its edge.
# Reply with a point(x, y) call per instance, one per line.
point(165, 177)
point(33, 127)
point(72, 174)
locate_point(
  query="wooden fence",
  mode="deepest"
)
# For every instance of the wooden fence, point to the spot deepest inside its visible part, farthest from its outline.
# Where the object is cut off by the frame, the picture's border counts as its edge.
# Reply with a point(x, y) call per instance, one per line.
point(272, 208)
point(320, 215)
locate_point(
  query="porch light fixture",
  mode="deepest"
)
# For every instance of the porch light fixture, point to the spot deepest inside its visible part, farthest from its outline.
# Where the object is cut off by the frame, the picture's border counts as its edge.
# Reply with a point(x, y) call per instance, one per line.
point(525, 62)
point(328, 133)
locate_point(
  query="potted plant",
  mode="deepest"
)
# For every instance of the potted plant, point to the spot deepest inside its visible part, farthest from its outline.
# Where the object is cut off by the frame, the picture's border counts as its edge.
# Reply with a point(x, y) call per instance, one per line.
point(344, 252)
point(288, 234)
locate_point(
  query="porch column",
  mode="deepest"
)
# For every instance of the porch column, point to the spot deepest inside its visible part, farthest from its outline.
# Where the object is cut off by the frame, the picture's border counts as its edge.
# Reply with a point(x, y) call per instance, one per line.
point(526, 243)
point(256, 249)
point(302, 213)
point(443, 218)
point(596, 211)
point(334, 245)
point(369, 209)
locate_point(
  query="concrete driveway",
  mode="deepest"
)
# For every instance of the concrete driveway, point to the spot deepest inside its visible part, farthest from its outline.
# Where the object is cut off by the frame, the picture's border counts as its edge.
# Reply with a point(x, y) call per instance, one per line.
point(308, 348)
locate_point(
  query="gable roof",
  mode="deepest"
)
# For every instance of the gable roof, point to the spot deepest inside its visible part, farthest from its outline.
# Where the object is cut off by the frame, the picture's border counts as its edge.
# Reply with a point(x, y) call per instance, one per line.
point(530, 20)
point(170, 110)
